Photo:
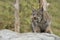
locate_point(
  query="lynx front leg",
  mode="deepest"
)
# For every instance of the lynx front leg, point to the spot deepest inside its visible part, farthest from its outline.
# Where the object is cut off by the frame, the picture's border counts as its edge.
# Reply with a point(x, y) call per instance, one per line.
point(48, 30)
point(35, 29)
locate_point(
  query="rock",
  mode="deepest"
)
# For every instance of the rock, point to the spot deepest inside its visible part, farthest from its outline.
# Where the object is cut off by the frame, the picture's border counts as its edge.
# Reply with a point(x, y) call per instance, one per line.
point(10, 35)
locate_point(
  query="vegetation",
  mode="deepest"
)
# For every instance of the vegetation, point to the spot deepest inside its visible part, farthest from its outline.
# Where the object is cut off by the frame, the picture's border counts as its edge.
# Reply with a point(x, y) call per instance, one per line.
point(7, 14)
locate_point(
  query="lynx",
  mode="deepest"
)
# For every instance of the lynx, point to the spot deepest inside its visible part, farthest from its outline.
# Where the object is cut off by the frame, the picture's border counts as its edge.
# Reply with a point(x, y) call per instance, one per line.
point(41, 21)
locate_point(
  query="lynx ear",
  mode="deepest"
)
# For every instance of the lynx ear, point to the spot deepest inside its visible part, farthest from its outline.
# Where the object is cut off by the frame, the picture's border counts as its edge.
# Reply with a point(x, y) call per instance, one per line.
point(33, 10)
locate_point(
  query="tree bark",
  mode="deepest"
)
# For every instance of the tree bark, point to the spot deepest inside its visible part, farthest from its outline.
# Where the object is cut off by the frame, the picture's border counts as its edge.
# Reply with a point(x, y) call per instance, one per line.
point(44, 4)
point(16, 14)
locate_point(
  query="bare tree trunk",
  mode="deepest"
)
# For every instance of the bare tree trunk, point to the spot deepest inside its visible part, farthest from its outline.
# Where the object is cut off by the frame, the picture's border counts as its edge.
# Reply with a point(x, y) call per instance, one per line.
point(16, 14)
point(44, 4)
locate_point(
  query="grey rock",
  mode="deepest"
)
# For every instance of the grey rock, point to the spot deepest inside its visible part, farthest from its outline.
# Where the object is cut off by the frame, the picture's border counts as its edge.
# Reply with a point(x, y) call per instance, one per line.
point(10, 35)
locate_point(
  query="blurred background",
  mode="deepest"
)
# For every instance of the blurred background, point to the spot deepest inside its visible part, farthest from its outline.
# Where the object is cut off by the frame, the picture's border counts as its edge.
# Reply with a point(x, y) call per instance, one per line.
point(7, 14)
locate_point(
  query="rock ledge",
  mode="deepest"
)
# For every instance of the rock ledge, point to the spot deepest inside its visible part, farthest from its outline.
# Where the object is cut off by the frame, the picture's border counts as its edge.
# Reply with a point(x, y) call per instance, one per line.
point(10, 35)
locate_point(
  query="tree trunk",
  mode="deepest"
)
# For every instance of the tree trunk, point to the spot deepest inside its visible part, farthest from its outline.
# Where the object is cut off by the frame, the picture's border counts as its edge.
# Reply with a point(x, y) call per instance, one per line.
point(44, 4)
point(16, 14)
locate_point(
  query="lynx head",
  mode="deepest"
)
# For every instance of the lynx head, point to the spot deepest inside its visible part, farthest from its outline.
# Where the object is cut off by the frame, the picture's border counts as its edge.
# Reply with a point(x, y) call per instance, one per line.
point(37, 15)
